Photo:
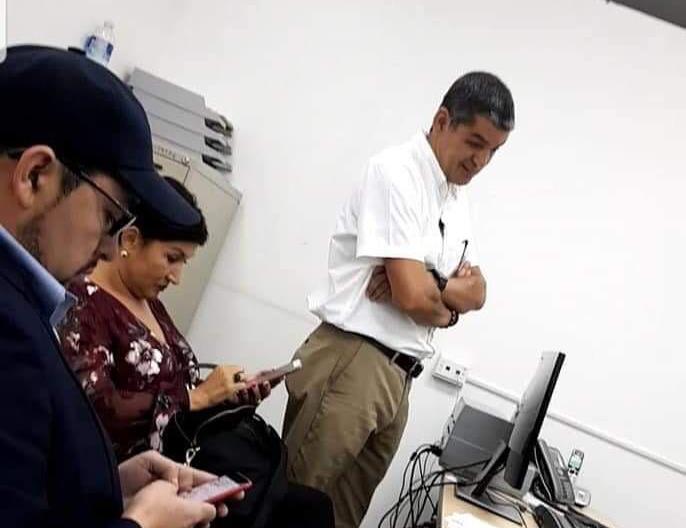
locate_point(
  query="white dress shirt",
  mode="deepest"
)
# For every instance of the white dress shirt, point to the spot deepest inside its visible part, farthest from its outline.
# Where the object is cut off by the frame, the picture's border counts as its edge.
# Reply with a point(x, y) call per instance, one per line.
point(394, 213)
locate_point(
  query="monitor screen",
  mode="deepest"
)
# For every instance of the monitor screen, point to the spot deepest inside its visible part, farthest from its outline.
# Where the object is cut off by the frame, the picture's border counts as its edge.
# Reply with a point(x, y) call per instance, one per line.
point(530, 416)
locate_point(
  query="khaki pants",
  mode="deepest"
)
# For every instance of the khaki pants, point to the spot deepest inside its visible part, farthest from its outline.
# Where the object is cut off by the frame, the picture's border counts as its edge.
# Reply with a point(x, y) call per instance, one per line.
point(347, 410)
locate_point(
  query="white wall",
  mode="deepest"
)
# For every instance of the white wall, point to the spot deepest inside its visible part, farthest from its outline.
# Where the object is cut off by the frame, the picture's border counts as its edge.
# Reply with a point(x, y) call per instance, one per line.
point(579, 217)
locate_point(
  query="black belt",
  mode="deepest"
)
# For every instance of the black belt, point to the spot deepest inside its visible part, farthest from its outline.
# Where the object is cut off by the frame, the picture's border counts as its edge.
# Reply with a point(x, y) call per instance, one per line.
point(409, 364)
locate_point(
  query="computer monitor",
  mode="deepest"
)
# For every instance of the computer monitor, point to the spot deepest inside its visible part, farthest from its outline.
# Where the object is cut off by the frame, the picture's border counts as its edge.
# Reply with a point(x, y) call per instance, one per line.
point(519, 450)
point(530, 415)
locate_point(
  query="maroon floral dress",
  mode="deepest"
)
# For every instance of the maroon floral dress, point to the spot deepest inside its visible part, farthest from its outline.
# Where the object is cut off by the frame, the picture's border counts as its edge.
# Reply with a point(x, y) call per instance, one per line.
point(135, 381)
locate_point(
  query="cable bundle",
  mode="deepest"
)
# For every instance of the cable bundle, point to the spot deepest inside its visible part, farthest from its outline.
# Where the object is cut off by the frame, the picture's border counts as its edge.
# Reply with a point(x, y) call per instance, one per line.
point(418, 495)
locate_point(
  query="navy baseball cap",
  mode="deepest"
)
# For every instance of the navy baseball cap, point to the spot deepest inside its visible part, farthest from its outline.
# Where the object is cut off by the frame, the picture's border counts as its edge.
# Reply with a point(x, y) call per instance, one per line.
point(89, 117)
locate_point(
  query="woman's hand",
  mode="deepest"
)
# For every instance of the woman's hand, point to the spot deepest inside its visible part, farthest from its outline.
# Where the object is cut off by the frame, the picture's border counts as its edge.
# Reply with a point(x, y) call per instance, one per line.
point(223, 384)
point(256, 392)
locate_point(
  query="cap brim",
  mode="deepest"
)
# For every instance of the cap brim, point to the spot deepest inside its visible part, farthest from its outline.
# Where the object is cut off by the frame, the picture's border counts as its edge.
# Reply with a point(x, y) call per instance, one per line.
point(155, 193)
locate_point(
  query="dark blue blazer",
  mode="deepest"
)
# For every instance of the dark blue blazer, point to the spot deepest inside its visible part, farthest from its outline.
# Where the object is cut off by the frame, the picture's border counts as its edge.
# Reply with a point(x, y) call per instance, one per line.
point(56, 464)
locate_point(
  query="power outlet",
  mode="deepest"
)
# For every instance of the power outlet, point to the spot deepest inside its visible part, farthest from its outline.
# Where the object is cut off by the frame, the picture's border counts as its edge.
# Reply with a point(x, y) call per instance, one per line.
point(448, 370)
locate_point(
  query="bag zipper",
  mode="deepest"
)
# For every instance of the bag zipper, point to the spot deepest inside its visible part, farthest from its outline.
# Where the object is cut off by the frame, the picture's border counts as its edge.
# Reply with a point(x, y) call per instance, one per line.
point(193, 447)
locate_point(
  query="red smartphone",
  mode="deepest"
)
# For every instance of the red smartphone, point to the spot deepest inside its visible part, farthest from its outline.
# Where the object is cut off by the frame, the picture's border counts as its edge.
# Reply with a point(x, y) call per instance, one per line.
point(218, 490)
point(273, 374)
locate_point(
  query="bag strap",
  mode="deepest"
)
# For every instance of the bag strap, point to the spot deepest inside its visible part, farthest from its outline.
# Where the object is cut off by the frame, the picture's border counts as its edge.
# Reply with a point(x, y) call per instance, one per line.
point(278, 473)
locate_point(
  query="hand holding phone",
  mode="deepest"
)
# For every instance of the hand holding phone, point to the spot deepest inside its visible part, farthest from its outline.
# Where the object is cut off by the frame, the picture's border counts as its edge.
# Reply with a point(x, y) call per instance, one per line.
point(217, 490)
point(274, 374)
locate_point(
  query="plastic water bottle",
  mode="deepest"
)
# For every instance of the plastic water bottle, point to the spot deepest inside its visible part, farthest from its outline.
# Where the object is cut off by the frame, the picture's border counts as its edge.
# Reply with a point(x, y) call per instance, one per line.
point(100, 44)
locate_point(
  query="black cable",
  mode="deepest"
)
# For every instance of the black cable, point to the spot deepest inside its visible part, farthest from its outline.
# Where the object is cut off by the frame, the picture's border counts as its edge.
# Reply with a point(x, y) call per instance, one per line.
point(396, 508)
point(427, 492)
point(412, 460)
point(428, 495)
point(411, 498)
point(394, 519)
point(424, 476)
point(400, 504)
point(427, 453)
point(434, 512)
point(427, 498)
point(458, 483)
point(423, 488)
point(439, 485)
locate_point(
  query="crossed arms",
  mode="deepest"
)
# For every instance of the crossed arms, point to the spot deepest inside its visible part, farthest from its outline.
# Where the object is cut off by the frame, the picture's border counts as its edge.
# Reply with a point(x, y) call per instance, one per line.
point(411, 289)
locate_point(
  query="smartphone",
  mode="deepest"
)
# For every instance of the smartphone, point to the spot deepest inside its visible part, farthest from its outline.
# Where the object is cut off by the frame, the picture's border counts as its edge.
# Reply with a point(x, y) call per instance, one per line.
point(576, 459)
point(270, 375)
point(218, 490)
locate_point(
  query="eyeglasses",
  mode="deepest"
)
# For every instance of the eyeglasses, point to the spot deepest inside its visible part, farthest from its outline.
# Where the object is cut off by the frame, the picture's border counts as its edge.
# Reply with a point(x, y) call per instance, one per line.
point(113, 224)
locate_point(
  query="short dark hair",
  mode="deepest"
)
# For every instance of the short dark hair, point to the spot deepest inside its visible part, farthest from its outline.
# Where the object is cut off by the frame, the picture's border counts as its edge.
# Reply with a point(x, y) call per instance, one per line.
point(152, 227)
point(480, 93)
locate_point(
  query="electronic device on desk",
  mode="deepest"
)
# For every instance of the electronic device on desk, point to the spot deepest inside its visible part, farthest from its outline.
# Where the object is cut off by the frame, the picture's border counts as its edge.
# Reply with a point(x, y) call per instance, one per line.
point(547, 517)
point(582, 497)
point(518, 452)
point(553, 483)
point(470, 436)
point(576, 460)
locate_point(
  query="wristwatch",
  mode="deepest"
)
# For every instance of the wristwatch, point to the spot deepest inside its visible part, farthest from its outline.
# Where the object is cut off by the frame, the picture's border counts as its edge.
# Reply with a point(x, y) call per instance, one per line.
point(454, 318)
point(441, 281)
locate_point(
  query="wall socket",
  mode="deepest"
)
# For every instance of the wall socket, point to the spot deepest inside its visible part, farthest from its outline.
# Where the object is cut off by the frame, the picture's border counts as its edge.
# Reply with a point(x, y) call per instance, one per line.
point(451, 371)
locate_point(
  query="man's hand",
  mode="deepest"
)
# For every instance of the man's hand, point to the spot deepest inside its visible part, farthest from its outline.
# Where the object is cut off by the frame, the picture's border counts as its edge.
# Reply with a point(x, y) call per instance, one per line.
point(466, 289)
point(465, 270)
point(158, 505)
point(414, 292)
point(379, 288)
point(150, 485)
point(139, 471)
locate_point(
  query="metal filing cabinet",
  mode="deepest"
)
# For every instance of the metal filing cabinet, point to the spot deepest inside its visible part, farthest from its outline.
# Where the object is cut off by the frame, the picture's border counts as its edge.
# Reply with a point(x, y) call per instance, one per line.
point(218, 200)
point(180, 118)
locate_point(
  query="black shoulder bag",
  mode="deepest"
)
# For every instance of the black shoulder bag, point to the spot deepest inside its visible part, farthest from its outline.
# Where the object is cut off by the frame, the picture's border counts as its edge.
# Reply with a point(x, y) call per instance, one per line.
point(228, 439)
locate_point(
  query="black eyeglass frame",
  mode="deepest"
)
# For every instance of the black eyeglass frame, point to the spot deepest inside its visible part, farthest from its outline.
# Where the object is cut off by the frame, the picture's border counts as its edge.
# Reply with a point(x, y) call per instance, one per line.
point(126, 219)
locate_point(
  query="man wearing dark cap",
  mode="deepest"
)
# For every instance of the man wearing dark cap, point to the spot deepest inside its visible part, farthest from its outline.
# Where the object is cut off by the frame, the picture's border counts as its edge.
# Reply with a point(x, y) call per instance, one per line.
point(75, 150)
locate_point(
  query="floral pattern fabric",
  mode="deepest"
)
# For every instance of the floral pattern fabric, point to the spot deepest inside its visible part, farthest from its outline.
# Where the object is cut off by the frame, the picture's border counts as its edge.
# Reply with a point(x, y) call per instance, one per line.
point(135, 380)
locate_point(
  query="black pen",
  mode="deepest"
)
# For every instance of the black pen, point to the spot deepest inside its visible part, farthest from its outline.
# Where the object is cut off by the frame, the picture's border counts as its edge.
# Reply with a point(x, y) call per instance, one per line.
point(464, 252)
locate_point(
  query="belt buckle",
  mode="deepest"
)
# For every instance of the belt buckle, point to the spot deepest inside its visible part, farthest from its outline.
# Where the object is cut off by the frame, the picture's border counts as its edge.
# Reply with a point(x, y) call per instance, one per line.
point(394, 359)
point(416, 369)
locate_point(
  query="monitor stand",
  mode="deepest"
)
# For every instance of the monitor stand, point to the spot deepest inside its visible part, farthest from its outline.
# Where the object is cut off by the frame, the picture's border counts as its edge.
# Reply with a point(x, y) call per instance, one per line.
point(476, 493)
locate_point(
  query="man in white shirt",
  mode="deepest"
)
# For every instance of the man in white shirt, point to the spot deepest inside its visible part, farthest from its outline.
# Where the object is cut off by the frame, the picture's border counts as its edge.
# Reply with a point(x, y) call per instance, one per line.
point(402, 262)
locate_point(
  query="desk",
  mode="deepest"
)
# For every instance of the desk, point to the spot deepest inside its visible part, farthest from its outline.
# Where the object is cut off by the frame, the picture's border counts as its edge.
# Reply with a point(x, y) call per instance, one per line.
point(449, 504)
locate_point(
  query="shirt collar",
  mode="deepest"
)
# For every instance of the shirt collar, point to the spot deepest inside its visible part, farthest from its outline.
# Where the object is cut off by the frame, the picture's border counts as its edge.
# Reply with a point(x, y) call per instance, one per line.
point(53, 300)
point(444, 188)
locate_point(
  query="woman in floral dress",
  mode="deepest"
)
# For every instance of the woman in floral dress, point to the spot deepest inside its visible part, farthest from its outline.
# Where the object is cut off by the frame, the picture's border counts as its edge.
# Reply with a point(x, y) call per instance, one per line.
point(136, 366)
point(131, 359)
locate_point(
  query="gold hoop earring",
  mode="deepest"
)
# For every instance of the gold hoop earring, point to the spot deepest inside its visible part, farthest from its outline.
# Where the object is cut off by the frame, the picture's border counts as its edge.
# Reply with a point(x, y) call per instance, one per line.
point(124, 253)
